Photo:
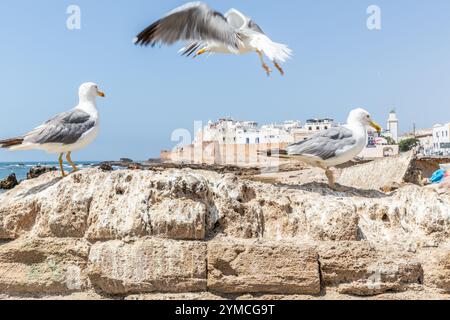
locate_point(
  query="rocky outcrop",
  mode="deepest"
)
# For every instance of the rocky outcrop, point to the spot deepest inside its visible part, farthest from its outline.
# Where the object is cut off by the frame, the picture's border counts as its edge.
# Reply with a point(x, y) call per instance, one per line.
point(196, 234)
point(38, 171)
point(9, 183)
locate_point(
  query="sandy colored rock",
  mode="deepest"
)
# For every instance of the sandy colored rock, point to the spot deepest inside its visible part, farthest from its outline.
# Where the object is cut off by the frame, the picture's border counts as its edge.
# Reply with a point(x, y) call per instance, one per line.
point(148, 265)
point(150, 231)
point(379, 174)
point(360, 269)
point(244, 267)
point(44, 266)
point(178, 219)
point(436, 265)
point(175, 296)
point(128, 204)
point(76, 296)
point(195, 205)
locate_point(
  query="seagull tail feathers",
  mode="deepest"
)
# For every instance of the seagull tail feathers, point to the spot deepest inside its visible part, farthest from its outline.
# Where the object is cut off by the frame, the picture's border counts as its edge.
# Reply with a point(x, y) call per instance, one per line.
point(11, 143)
point(279, 52)
point(276, 52)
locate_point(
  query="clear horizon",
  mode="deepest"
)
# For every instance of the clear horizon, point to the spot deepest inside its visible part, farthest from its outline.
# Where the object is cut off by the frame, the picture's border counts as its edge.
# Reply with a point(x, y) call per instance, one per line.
point(338, 65)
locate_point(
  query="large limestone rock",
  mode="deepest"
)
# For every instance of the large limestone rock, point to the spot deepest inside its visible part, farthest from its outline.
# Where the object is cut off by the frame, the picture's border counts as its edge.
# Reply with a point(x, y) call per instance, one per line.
point(436, 265)
point(194, 233)
point(107, 206)
point(360, 269)
point(43, 266)
point(148, 265)
point(242, 267)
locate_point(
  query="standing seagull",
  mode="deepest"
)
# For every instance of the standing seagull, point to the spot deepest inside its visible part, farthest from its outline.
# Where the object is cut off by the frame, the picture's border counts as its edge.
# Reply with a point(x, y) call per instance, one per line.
point(67, 132)
point(335, 146)
point(207, 30)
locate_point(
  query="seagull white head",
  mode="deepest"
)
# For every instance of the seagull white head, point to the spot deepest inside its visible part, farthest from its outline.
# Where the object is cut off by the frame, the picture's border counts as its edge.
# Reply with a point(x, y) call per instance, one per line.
point(361, 116)
point(89, 91)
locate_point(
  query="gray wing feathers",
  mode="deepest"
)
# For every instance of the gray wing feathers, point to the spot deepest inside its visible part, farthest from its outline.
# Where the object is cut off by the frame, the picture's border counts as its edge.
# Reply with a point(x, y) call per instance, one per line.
point(325, 145)
point(252, 25)
point(65, 128)
point(194, 21)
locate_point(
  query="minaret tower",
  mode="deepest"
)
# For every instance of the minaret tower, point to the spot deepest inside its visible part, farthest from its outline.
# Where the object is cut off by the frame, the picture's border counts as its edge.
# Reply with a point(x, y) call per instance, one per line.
point(393, 125)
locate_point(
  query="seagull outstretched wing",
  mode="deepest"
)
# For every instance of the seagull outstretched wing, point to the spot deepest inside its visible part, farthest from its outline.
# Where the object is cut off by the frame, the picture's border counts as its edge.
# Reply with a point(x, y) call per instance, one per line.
point(194, 21)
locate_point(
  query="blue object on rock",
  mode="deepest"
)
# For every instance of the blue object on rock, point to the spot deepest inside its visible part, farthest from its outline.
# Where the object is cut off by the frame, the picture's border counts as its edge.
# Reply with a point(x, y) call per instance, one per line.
point(438, 176)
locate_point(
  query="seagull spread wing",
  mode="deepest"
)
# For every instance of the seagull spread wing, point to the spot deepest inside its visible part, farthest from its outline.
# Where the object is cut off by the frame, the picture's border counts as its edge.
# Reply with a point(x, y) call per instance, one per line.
point(192, 22)
point(65, 128)
point(324, 145)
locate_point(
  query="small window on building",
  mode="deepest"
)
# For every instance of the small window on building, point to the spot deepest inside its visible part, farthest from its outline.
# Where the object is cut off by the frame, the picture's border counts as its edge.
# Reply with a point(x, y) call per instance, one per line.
point(317, 128)
point(310, 128)
point(223, 139)
point(247, 141)
point(257, 140)
point(326, 127)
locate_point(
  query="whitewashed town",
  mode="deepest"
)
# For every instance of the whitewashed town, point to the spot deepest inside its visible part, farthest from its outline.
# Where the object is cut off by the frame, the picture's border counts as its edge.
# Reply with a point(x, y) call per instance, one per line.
point(230, 141)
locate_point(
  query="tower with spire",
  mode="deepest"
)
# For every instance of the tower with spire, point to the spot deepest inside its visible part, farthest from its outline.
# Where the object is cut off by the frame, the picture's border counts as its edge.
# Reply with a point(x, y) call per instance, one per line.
point(392, 125)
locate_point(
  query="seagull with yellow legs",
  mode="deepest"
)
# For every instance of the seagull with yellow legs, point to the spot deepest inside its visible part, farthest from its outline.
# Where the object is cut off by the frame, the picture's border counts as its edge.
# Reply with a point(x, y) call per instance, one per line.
point(66, 132)
point(335, 146)
point(208, 31)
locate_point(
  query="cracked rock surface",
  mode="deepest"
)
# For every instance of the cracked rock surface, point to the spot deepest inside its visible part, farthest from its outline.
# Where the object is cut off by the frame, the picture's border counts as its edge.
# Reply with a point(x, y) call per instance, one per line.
point(197, 234)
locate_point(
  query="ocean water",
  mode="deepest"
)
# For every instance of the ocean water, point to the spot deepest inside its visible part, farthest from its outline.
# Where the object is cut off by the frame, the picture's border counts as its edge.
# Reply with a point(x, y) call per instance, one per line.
point(21, 169)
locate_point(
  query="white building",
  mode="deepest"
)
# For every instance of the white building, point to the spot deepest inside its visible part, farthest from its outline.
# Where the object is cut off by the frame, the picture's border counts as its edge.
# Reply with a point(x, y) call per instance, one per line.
point(229, 131)
point(228, 141)
point(425, 137)
point(319, 124)
point(441, 139)
point(392, 126)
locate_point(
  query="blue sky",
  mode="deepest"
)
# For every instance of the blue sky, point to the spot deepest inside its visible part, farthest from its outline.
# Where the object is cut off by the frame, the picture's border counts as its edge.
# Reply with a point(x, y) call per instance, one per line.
point(338, 65)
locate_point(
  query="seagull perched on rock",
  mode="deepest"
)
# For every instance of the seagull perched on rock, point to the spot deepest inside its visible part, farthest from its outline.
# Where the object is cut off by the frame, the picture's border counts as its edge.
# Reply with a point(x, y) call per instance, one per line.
point(334, 146)
point(67, 132)
point(208, 31)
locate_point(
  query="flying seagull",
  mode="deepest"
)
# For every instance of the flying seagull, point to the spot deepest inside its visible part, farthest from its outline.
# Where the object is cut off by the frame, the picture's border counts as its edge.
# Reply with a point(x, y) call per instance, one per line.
point(208, 31)
point(67, 132)
point(334, 146)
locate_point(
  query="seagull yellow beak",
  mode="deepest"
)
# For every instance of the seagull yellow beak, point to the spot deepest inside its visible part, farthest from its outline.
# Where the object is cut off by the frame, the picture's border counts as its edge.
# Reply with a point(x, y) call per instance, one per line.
point(101, 94)
point(376, 126)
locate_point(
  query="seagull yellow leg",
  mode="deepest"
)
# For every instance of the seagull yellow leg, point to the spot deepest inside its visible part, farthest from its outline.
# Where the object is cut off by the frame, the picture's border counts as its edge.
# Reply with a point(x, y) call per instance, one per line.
point(331, 180)
point(200, 52)
point(277, 65)
point(69, 159)
point(61, 164)
point(264, 65)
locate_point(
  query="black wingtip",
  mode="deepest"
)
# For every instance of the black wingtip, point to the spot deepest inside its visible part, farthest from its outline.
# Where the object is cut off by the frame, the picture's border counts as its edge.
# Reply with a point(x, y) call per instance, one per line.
point(147, 36)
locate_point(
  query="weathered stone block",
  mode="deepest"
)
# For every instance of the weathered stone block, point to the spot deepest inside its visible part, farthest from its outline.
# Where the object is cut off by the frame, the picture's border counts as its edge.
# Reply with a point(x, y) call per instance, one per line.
point(43, 266)
point(244, 267)
point(148, 265)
